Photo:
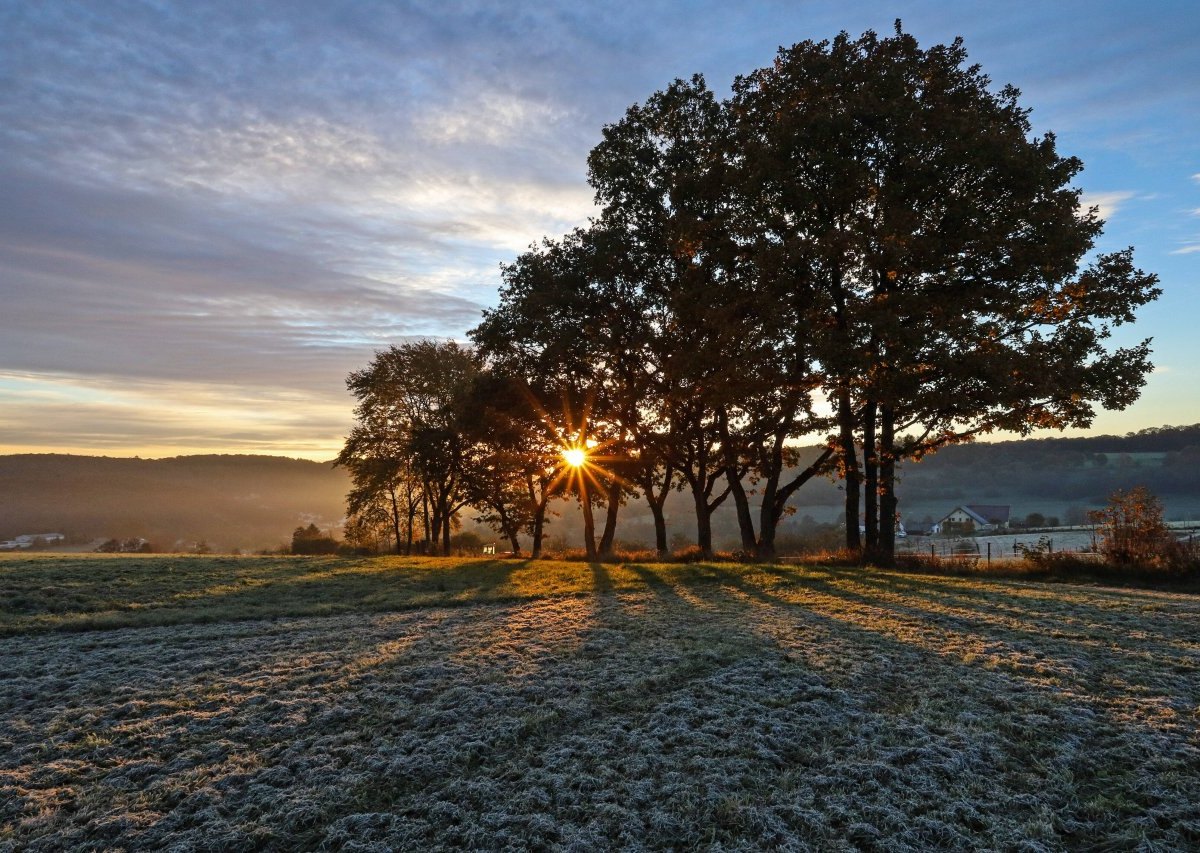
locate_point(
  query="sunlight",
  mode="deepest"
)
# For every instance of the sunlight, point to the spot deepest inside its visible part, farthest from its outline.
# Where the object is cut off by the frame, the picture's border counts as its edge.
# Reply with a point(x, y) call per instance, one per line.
point(576, 457)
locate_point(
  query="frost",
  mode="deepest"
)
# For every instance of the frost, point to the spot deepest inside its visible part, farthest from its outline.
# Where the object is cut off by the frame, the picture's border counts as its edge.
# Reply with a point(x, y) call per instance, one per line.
point(863, 711)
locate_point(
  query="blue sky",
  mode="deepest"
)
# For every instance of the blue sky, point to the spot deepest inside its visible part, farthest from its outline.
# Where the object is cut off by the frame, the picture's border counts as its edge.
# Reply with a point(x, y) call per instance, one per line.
point(211, 212)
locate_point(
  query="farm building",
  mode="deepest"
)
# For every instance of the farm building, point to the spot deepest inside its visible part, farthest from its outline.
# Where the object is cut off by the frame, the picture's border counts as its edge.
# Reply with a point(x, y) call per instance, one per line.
point(974, 517)
point(32, 540)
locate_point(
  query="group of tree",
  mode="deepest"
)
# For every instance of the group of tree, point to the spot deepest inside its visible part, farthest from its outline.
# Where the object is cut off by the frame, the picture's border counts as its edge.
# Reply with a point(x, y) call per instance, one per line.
point(125, 546)
point(862, 246)
point(311, 540)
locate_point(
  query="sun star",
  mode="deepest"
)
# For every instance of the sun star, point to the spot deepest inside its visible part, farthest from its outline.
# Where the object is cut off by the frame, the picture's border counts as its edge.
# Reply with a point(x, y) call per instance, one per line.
point(575, 456)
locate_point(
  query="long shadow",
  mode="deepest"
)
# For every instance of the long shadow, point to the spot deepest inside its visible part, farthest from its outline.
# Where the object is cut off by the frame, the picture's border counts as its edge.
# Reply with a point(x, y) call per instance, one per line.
point(603, 706)
point(278, 593)
point(601, 579)
point(1102, 660)
point(1168, 624)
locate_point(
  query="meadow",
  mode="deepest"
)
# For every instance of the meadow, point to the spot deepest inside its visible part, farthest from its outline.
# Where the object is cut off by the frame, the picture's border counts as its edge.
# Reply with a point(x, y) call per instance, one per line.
point(234, 703)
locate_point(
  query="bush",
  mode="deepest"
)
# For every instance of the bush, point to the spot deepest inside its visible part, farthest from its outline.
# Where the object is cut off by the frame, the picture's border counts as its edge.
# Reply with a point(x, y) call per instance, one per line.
point(1134, 535)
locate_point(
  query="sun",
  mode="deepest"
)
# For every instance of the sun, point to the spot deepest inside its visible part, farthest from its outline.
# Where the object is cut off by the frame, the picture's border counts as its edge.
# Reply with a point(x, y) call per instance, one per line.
point(575, 456)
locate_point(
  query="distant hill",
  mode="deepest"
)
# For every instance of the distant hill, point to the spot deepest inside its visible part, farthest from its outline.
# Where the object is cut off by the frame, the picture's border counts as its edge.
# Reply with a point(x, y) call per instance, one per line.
point(247, 502)
point(253, 502)
point(1063, 477)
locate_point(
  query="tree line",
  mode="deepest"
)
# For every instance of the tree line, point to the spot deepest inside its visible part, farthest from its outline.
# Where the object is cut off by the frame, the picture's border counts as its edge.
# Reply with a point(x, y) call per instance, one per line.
point(863, 245)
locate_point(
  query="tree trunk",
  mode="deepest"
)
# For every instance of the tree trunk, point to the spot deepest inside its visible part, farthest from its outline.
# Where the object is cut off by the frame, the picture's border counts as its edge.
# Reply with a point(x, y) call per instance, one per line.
point(608, 537)
point(426, 531)
point(410, 522)
point(589, 526)
point(870, 479)
point(539, 524)
point(703, 523)
point(771, 509)
point(887, 497)
point(660, 528)
point(656, 502)
point(395, 516)
point(740, 501)
point(850, 469)
point(507, 527)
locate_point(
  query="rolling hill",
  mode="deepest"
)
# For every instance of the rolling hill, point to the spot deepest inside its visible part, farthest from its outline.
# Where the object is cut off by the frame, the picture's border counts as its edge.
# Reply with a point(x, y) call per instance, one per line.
point(255, 502)
point(247, 502)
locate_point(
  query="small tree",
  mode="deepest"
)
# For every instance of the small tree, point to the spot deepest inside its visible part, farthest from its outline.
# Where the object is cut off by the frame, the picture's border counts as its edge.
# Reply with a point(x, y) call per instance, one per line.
point(1132, 530)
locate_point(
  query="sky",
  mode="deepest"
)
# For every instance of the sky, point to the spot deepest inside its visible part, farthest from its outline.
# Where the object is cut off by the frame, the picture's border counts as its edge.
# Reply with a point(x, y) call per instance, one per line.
point(211, 212)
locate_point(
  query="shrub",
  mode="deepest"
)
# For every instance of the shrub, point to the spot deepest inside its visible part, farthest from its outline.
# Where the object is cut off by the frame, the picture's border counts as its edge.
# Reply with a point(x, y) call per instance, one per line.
point(1133, 533)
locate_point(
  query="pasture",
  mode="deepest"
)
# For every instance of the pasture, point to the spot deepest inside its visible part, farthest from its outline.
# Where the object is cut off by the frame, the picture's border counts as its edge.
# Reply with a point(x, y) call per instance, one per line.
point(344, 704)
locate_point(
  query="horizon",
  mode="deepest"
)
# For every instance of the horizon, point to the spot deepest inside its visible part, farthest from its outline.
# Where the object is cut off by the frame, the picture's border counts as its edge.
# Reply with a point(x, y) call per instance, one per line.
point(986, 439)
point(203, 237)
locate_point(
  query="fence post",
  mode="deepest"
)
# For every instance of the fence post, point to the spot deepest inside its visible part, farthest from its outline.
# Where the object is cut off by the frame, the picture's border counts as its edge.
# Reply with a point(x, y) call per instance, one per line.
point(989, 555)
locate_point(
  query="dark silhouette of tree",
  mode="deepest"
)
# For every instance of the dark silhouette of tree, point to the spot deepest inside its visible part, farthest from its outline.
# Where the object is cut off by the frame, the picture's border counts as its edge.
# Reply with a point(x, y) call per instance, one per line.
point(864, 243)
point(568, 326)
point(310, 540)
point(731, 386)
point(936, 248)
point(408, 431)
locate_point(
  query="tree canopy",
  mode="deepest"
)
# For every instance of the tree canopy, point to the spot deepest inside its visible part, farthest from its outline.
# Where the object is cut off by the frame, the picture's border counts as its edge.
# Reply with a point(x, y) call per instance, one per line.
point(865, 243)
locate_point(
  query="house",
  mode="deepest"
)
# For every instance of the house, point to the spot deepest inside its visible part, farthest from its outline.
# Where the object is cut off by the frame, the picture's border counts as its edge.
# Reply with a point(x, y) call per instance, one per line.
point(32, 540)
point(974, 517)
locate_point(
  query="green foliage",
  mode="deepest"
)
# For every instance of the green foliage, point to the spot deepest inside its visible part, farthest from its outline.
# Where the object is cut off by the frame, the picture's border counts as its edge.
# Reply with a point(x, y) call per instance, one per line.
point(406, 453)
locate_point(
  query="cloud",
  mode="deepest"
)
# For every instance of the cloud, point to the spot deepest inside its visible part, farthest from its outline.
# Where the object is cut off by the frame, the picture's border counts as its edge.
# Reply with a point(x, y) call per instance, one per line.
point(100, 280)
point(256, 197)
point(1108, 202)
point(61, 414)
point(1189, 249)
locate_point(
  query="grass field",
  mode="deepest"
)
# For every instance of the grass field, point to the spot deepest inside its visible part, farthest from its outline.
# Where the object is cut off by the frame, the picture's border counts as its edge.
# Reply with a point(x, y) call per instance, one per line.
point(215, 703)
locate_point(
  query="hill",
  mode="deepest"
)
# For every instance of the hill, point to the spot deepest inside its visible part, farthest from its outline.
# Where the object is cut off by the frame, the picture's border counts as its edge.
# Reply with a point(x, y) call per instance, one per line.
point(226, 501)
point(254, 502)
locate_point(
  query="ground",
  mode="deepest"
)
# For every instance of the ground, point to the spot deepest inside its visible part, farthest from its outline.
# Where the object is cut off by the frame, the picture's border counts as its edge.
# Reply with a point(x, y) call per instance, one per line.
point(562, 706)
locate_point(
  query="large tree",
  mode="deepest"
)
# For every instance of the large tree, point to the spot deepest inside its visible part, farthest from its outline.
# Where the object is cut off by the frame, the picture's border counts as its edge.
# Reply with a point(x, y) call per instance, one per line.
point(934, 247)
point(410, 401)
point(569, 326)
point(733, 382)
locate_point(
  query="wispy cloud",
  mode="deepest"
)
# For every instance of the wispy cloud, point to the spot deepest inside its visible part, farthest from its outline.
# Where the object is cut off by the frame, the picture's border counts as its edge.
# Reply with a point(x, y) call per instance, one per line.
point(1107, 202)
point(255, 197)
point(115, 415)
point(1189, 249)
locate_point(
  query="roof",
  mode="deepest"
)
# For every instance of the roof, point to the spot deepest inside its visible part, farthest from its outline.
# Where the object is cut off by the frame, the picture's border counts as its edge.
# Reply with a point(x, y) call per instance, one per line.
point(993, 513)
point(982, 513)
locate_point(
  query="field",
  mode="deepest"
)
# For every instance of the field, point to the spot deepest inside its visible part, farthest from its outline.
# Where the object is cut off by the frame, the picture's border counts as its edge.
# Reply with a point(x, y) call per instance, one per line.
point(282, 703)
